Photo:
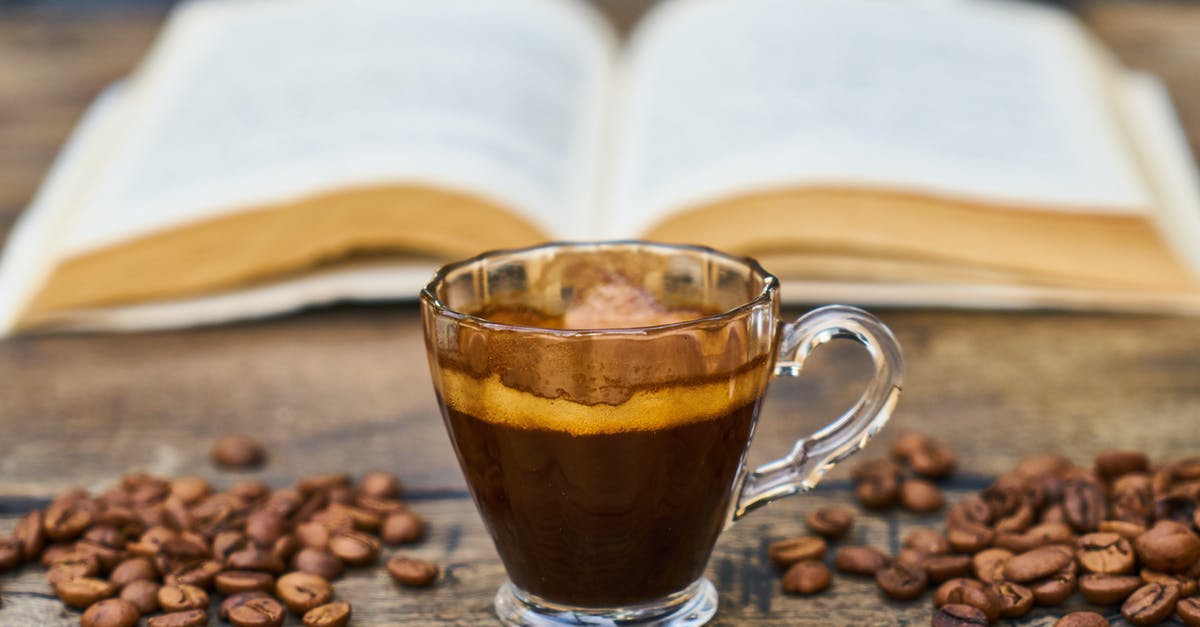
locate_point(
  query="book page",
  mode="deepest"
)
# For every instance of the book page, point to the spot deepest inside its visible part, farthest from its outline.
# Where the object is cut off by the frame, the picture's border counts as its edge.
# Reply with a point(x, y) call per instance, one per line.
point(1001, 102)
point(256, 102)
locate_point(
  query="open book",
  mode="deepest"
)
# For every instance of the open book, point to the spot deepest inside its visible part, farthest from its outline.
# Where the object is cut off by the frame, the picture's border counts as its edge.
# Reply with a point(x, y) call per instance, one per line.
point(273, 154)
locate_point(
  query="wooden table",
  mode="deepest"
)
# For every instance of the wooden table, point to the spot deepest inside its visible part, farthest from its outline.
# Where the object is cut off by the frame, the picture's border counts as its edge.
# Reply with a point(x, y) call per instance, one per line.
point(346, 389)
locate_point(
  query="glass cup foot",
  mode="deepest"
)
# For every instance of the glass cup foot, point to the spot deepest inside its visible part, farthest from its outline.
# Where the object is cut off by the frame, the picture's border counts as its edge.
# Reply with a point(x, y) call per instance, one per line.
point(695, 605)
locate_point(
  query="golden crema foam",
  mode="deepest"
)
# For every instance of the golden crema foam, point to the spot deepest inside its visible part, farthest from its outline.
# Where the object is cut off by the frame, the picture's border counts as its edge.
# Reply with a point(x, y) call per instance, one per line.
point(646, 410)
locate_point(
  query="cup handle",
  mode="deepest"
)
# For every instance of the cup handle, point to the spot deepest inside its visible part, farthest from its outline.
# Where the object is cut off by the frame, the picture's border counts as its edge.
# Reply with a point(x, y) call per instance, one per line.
point(813, 456)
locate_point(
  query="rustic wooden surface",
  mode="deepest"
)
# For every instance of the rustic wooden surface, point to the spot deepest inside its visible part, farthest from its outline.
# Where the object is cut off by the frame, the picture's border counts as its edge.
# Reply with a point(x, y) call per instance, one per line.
point(347, 389)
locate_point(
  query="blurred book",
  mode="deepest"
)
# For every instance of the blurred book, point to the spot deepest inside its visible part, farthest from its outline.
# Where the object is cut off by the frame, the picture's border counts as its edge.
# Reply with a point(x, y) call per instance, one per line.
point(273, 154)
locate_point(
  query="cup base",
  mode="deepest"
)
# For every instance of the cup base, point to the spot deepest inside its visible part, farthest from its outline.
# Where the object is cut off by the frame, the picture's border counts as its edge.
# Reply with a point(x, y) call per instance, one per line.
point(695, 605)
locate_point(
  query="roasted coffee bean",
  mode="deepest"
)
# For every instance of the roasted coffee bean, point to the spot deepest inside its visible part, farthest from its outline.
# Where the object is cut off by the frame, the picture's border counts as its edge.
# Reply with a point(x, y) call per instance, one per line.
point(1108, 589)
point(402, 528)
point(234, 581)
point(107, 556)
point(133, 569)
point(301, 592)
point(187, 618)
point(941, 568)
point(383, 507)
point(198, 574)
point(1082, 619)
point(784, 553)
point(30, 535)
point(10, 554)
point(1188, 611)
point(1186, 470)
point(105, 535)
point(1168, 548)
point(901, 582)
point(907, 444)
point(942, 595)
point(1127, 530)
point(1186, 585)
point(988, 565)
point(808, 576)
point(72, 565)
point(238, 451)
point(67, 520)
point(1053, 590)
point(1150, 604)
point(969, 537)
point(257, 612)
point(335, 614)
point(1083, 500)
point(927, 457)
point(226, 543)
point(313, 535)
point(264, 527)
point(190, 489)
point(412, 572)
point(830, 523)
point(83, 591)
point(1018, 521)
point(877, 484)
point(983, 599)
point(1114, 463)
point(956, 615)
point(911, 557)
point(52, 553)
point(181, 597)
point(318, 562)
point(248, 490)
point(323, 483)
point(237, 599)
point(1004, 496)
point(143, 594)
point(110, 613)
point(1036, 564)
point(254, 558)
point(355, 548)
point(926, 541)
point(919, 495)
point(859, 560)
point(1041, 535)
point(285, 547)
point(379, 484)
point(1106, 553)
point(1015, 600)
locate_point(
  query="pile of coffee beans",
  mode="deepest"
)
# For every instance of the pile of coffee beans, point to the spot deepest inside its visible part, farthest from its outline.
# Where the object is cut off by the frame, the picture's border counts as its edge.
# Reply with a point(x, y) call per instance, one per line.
point(1121, 533)
point(150, 545)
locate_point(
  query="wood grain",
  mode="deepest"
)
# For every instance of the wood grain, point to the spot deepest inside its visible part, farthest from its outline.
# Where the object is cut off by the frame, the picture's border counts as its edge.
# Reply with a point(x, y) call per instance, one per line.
point(347, 388)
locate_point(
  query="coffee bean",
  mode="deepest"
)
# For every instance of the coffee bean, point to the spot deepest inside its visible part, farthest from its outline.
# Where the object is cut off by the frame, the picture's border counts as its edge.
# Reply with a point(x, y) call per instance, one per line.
point(264, 527)
point(969, 538)
point(190, 489)
point(107, 556)
point(1108, 589)
point(1168, 548)
point(830, 523)
point(808, 576)
point(941, 568)
point(187, 618)
point(942, 595)
point(237, 452)
point(919, 495)
point(1053, 590)
point(257, 612)
point(911, 557)
point(379, 484)
point(1150, 604)
point(878, 488)
point(10, 554)
point(955, 615)
point(301, 592)
point(313, 535)
point(234, 581)
point(355, 548)
point(988, 565)
point(254, 558)
point(335, 614)
point(318, 562)
point(83, 591)
point(383, 507)
point(927, 541)
point(859, 560)
point(412, 572)
point(181, 597)
point(285, 547)
point(1082, 619)
point(1186, 585)
point(72, 565)
point(935, 461)
point(30, 535)
point(1114, 463)
point(784, 553)
point(133, 569)
point(237, 599)
point(110, 613)
point(1036, 564)
point(1083, 500)
point(1015, 600)
point(67, 520)
point(227, 543)
point(402, 528)
point(143, 594)
point(1127, 530)
point(983, 599)
point(1103, 552)
point(901, 582)
point(199, 574)
point(1188, 611)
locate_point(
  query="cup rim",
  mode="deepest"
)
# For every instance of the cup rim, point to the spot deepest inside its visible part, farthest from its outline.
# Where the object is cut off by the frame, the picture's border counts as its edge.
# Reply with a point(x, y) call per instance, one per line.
point(429, 292)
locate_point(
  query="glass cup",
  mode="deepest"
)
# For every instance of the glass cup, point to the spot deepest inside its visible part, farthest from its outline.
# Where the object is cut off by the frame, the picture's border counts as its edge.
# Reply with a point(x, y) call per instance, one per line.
point(601, 398)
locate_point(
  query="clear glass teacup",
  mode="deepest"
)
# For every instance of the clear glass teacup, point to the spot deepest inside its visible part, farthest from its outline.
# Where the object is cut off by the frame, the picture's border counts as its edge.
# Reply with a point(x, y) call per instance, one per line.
point(601, 398)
